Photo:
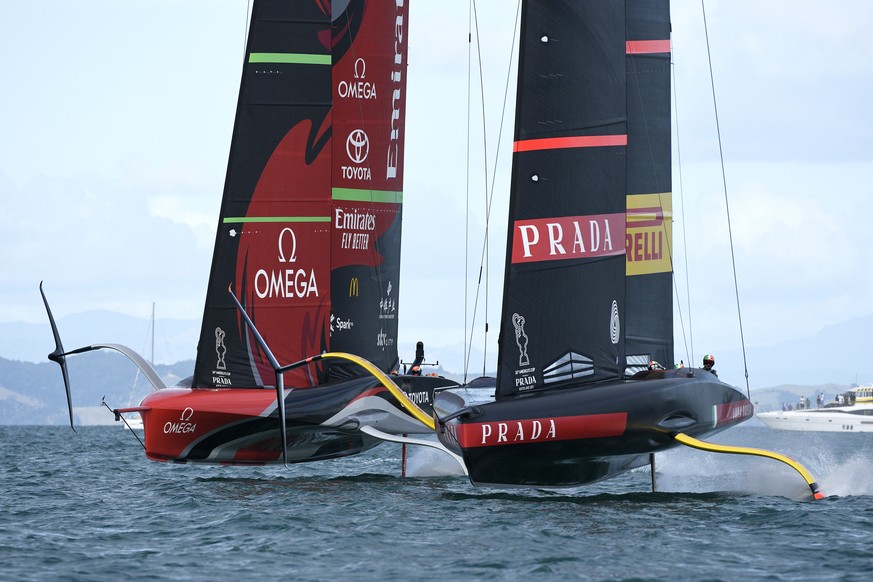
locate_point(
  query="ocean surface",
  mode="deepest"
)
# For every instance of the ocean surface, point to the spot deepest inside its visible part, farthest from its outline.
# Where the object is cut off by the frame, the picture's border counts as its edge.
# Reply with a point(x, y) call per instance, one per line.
point(89, 506)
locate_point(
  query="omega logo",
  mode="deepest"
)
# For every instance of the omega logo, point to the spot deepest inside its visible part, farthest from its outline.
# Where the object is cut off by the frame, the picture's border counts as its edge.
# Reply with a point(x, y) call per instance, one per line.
point(293, 257)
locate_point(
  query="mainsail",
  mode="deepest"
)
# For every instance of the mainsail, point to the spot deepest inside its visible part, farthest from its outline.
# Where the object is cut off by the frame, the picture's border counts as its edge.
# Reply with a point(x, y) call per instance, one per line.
point(649, 308)
point(588, 292)
point(309, 232)
point(564, 289)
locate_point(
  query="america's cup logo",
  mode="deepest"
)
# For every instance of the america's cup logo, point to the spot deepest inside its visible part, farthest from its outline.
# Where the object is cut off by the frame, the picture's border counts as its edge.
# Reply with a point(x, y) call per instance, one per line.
point(520, 339)
point(220, 348)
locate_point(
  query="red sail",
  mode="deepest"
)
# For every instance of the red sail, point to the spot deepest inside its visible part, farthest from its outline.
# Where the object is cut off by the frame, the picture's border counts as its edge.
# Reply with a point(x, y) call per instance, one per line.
point(310, 218)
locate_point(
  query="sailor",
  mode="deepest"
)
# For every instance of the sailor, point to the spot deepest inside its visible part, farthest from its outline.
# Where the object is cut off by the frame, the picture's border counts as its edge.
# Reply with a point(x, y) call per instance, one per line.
point(708, 363)
point(653, 365)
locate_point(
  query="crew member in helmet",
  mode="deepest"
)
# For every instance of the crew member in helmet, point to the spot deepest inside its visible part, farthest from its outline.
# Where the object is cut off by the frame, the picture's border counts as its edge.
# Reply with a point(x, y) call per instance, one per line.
point(708, 363)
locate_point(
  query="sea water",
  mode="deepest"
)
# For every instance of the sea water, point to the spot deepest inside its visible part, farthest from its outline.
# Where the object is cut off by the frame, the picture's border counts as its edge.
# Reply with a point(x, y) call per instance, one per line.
point(89, 506)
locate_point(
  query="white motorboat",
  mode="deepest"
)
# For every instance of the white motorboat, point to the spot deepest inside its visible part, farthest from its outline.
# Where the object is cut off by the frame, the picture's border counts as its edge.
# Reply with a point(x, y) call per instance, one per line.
point(855, 415)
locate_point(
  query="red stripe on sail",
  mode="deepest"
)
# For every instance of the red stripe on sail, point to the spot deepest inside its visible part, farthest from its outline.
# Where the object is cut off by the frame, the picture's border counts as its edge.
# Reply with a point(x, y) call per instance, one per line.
point(540, 430)
point(645, 47)
point(580, 141)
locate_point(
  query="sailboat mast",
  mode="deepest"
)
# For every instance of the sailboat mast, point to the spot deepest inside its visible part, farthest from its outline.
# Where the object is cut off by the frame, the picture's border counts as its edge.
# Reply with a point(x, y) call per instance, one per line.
point(152, 360)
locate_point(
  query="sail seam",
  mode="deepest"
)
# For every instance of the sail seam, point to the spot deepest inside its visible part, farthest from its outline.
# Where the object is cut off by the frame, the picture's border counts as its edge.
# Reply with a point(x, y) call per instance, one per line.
point(644, 47)
point(579, 141)
point(358, 195)
point(242, 219)
point(290, 58)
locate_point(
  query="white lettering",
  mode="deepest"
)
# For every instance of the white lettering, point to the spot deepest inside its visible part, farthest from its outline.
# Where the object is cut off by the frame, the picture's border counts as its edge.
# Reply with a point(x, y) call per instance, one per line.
point(556, 233)
point(595, 235)
point(486, 432)
point(356, 90)
point(179, 427)
point(578, 242)
point(519, 433)
point(501, 432)
point(526, 240)
point(293, 257)
point(607, 238)
point(287, 284)
point(356, 173)
point(395, 76)
point(354, 220)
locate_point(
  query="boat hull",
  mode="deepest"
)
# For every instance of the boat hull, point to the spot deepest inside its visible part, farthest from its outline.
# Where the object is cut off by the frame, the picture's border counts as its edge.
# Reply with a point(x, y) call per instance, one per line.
point(241, 426)
point(836, 419)
point(583, 434)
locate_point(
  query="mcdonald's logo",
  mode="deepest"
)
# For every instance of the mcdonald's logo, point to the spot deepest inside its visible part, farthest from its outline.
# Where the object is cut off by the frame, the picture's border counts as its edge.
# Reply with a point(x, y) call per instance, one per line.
point(354, 288)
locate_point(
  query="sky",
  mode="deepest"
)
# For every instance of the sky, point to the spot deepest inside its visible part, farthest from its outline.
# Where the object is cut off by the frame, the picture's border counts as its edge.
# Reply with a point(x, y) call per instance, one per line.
point(115, 125)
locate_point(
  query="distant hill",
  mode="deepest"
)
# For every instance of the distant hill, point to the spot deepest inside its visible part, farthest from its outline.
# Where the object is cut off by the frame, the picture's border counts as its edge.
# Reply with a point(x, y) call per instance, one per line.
point(34, 393)
point(175, 339)
point(31, 389)
point(836, 354)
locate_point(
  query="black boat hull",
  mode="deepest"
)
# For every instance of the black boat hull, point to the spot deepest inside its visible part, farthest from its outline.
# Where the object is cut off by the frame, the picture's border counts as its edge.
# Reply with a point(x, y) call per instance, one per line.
point(584, 434)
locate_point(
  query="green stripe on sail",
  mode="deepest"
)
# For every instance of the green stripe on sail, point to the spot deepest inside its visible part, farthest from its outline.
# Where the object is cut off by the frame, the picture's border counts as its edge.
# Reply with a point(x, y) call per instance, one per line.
point(241, 219)
point(293, 58)
point(382, 196)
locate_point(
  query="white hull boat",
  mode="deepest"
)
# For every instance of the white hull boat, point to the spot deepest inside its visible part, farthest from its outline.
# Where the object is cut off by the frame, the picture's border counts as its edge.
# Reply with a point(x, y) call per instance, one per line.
point(854, 417)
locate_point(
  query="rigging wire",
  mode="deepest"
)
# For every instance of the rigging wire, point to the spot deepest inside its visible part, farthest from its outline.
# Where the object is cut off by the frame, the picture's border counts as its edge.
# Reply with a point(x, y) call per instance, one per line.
point(483, 259)
point(727, 206)
point(467, 199)
point(658, 189)
point(689, 355)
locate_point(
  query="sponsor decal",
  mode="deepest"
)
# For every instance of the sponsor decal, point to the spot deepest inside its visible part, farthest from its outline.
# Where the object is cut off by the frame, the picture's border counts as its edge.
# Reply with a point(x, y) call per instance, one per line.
point(732, 412)
point(184, 426)
point(614, 324)
point(220, 375)
point(636, 363)
point(359, 87)
point(419, 397)
point(525, 379)
point(570, 366)
point(568, 237)
point(387, 305)
point(396, 94)
point(339, 324)
point(354, 287)
point(539, 430)
point(357, 148)
point(383, 341)
point(354, 220)
point(220, 348)
point(521, 339)
point(649, 233)
point(287, 283)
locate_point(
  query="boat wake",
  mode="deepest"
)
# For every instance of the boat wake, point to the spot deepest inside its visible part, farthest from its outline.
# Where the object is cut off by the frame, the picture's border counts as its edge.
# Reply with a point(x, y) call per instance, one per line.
point(426, 462)
point(849, 478)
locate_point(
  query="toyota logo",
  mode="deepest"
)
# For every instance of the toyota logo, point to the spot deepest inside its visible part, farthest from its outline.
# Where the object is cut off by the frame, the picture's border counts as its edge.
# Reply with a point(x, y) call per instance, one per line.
point(358, 146)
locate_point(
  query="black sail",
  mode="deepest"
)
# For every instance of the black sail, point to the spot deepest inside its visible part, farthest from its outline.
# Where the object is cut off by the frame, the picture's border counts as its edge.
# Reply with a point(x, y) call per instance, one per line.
point(649, 321)
point(564, 295)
